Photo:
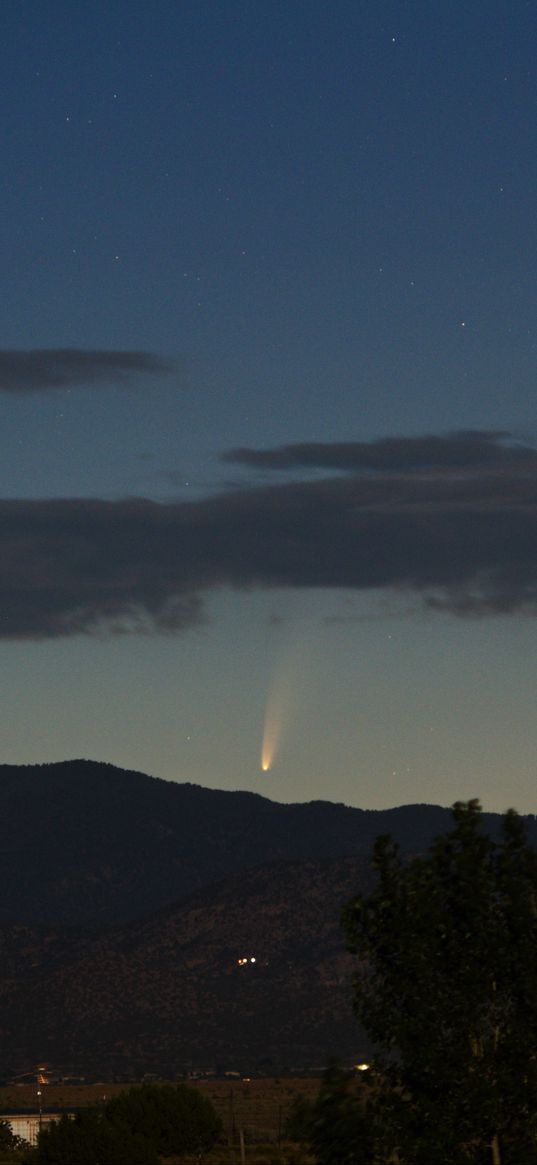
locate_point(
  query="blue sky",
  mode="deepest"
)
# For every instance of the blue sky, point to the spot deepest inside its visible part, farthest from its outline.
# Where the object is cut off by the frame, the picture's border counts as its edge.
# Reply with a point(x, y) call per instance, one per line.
point(301, 224)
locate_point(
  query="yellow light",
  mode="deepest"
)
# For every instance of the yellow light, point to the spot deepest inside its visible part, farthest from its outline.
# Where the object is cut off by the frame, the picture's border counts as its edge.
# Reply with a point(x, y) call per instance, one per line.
point(361, 1067)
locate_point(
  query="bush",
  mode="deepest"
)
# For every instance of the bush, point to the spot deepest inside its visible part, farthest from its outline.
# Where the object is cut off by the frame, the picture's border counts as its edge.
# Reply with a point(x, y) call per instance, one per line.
point(91, 1139)
point(132, 1129)
point(174, 1118)
point(299, 1121)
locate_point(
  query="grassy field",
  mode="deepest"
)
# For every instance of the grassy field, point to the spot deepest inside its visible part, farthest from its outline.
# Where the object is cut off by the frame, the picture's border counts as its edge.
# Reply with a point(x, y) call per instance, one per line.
point(258, 1107)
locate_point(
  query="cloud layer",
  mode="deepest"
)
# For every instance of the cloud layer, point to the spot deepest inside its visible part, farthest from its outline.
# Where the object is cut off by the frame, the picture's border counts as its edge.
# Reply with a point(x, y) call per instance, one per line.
point(473, 449)
point(464, 536)
point(46, 369)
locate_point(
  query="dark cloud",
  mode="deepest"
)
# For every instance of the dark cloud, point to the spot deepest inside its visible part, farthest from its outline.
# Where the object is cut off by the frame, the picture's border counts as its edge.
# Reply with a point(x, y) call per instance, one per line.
point(46, 369)
point(463, 541)
point(391, 454)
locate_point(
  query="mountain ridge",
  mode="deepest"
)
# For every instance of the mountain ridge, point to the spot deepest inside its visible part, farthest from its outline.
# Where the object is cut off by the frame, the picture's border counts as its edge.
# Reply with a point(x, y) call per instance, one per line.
point(82, 840)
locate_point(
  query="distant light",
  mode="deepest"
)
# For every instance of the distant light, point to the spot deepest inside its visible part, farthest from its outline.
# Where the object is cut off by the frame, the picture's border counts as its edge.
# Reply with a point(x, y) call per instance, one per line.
point(362, 1067)
point(252, 960)
point(265, 766)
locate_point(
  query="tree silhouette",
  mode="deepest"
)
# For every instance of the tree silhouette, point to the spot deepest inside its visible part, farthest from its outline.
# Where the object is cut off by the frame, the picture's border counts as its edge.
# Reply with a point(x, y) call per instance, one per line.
point(134, 1128)
point(446, 987)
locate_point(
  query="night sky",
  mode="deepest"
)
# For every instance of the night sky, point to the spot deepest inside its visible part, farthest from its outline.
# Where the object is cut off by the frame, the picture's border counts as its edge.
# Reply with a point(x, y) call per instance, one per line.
point(267, 385)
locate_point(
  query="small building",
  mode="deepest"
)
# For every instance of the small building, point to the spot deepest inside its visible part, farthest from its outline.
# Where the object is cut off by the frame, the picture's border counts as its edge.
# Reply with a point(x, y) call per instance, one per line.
point(27, 1124)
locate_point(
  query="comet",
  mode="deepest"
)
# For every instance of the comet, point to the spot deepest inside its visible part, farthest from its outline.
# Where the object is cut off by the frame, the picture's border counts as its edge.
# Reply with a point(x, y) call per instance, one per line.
point(274, 721)
point(290, 674)
point(278, 712)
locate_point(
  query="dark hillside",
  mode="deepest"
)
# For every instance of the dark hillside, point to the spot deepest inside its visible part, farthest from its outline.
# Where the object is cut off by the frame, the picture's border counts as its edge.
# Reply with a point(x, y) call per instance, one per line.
point(169, 993)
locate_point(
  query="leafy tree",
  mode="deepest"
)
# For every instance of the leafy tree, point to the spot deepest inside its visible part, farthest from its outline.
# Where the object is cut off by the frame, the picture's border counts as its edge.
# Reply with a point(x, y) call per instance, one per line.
point(337, 1125)
point(11, 1146)
point(341, 1132)
point(8, 1140)
point(299, 1120)
point(132, 1129)
point(446, 987)
point(173, 1118)
point(91, 1139)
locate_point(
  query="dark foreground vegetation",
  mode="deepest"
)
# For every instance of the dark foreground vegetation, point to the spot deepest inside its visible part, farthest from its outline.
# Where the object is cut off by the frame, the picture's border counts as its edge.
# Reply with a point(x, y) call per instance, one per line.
point(141, 1126)
point(446, 988)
